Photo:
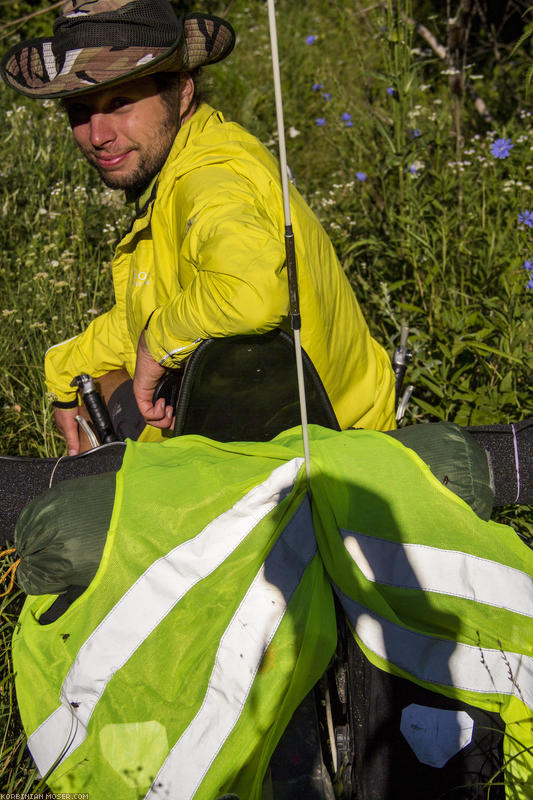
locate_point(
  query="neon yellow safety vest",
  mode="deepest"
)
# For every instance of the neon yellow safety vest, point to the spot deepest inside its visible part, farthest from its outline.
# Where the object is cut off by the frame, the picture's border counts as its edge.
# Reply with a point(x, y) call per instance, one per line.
point(211, 615)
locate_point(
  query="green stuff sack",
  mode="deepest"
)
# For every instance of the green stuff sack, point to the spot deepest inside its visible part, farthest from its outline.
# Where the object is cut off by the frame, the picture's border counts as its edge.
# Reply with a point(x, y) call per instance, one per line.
point(60, 535)
point(455, 458)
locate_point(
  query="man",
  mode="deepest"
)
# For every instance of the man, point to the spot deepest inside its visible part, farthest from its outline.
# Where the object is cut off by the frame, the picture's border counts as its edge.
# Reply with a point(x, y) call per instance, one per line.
point(205, 256)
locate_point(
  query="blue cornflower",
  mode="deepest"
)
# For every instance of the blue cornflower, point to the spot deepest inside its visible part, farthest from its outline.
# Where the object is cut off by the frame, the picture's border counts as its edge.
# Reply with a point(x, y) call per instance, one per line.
point(349, 123)
point(317, 86)
point(528, 264)
point(526, 217)
point(414, 133)
point(346, 117)
point(391, 90)
point(500, 148)
point(310, 39)
point(529, 284)
point(361, 176)
point(327, 96)
point(321, 121)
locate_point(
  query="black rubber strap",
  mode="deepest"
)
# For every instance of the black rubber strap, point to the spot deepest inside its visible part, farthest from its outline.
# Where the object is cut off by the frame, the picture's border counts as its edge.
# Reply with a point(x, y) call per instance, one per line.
point(66, 404)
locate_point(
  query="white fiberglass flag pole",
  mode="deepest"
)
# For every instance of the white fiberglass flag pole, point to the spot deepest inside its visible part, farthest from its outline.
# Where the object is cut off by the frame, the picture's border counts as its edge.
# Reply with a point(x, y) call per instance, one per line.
point(289, 236)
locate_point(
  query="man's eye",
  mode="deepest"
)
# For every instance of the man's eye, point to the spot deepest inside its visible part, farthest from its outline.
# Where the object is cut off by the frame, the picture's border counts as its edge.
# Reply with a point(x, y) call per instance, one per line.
point(77, 113)
point(119, 102)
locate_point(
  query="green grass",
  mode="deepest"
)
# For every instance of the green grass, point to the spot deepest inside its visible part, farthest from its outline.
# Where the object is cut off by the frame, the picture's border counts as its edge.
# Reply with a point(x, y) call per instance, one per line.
point(430, 237)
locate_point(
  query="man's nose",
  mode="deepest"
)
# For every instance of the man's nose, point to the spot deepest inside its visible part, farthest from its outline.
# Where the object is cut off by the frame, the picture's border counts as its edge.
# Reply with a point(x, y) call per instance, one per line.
point(102, 130)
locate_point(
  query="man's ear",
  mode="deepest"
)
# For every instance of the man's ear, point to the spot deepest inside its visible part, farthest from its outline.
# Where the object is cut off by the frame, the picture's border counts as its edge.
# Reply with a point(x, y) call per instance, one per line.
point(186, 97)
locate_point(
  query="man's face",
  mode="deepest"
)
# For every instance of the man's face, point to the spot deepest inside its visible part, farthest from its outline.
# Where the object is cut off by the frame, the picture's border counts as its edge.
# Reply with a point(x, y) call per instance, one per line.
point(126, 131)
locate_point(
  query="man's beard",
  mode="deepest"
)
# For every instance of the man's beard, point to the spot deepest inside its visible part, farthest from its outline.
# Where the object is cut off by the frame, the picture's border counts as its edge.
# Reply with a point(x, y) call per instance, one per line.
point(150, 161)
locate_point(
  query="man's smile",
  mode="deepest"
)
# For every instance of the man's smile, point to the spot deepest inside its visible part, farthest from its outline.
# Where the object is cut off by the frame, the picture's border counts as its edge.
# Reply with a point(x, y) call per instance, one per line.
point(111, 160)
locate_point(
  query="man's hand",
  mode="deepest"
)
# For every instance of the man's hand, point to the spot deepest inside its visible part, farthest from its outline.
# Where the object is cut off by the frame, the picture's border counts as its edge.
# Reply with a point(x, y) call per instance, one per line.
point(65, 420)
point(147, 374)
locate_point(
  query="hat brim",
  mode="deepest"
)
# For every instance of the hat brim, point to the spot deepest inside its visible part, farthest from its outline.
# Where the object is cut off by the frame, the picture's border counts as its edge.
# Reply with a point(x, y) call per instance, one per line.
point(30, 67)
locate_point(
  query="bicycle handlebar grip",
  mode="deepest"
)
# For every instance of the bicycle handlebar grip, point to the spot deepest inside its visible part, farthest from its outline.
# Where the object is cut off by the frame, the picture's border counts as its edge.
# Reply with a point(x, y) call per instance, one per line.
point(100, 417)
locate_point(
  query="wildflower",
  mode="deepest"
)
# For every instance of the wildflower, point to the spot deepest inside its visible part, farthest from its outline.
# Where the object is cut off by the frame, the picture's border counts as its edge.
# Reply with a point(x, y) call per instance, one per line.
point(415, 167)
point(528, 264)
point(317, 87)
point(391, 91)
point(361, 176)
point(327, 96)
point(526, 217)
point(501, 148)
point(310, 39)
point(529, 284)
point(414, 133)
point(321, 121)
point(293, 132)
point(346, 117)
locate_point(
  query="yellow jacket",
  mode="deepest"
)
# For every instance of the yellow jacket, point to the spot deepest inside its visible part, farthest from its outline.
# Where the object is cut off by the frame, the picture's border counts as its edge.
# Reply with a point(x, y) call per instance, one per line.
point(205, 258)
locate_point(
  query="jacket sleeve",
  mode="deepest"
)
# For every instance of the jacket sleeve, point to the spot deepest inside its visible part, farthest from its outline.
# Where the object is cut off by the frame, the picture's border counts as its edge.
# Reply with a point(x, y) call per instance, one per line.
point(97, 350)
point(237, 258)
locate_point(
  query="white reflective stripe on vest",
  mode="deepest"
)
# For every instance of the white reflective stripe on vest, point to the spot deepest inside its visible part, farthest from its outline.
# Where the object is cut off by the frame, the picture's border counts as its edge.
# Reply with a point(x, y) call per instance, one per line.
point(238, 658)
point(143, 607)
point(433, 569)
point(441, 661)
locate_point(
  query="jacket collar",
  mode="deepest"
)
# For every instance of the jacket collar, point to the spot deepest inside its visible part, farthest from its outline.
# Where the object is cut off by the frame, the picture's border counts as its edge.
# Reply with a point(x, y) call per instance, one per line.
point(204, 117)
point(186, 133)
point(143, 201)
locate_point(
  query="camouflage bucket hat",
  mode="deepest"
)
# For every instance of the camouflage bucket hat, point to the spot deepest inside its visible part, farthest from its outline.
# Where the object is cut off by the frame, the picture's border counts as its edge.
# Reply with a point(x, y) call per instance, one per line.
point(100, 42)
